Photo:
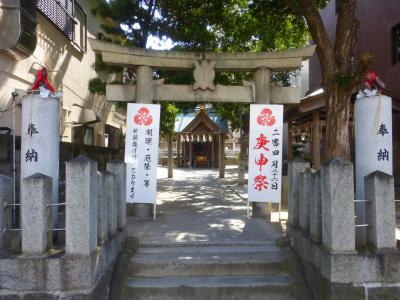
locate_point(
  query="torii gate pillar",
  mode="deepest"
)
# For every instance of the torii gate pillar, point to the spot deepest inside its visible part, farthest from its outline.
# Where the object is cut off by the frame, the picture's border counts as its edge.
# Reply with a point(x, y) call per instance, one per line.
point(144, 84)
point(262, 79)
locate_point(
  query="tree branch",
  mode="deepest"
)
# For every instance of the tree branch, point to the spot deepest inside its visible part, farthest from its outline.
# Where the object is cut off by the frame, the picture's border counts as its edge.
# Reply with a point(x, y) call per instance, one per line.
point(316, 26)
point(346, 35)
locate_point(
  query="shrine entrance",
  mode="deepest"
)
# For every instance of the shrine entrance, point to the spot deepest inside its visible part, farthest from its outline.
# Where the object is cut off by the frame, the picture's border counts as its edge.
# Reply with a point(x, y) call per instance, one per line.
point(199, 139)
point(145, 90)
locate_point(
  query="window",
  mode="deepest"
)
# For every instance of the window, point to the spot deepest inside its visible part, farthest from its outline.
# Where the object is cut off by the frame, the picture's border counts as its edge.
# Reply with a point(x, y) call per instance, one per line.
point(396, 44)
point(68, 16)
point(80, 32)
point(83, 135)
point(114, 136)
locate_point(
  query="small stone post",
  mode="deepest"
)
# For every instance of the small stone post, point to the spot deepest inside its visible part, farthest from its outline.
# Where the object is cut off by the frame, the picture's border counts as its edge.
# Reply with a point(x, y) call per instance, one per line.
point(315, 207)
point(5, 198)
point(110, 192)
point(304, 200)
point(36, 213)
point(296, 166)
point(221, 139)
point(81, 207)
point(316, 142)
point(119, 171)
point(170, 157)
point(379, 190)
point(102, 209)
point(337, 192)
point(241, 163)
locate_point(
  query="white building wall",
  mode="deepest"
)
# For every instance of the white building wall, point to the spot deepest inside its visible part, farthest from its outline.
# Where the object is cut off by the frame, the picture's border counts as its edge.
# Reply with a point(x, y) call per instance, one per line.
point(70, 70)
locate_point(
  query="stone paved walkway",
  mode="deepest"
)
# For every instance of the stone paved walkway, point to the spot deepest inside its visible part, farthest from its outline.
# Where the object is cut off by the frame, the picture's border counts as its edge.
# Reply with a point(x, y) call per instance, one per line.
point(197, 206)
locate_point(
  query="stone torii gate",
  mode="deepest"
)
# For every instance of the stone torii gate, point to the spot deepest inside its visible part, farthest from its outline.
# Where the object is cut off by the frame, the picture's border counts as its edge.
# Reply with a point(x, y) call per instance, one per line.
point(204, 66)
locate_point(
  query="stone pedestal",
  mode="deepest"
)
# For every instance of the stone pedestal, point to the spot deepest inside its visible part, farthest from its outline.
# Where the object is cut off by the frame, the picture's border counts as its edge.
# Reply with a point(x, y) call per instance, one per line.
point(379, 190)
point(304, 200)
point(119, 171)
point(102, 211)
point(40, 141)
point(140, 210)
point(295, 168)
point(110, 188)
point(337, 192)
point(35, 214)
point(170, 158)
point(81, 209)
point(261, 210)
point(315, 207)
point(221, 155)
point(242, 162)
point(5, 198)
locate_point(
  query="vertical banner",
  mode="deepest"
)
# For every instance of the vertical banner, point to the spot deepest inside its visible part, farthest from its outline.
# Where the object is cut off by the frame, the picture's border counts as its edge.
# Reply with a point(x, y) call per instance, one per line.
point(265, 153)
point(141, 152)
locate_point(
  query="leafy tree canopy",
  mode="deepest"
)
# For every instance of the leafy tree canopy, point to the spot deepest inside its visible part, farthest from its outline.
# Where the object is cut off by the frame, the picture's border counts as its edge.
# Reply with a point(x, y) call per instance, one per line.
point(198, 25)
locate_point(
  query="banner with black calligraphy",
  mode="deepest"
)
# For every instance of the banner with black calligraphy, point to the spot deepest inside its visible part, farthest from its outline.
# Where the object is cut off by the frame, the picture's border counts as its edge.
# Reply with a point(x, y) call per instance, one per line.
point(141, 152)
point(265, 153)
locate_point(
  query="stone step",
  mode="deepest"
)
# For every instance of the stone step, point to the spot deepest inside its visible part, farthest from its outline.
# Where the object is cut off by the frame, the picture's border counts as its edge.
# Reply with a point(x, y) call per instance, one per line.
point(206, 244)
point(207, 261)
point(210, 288)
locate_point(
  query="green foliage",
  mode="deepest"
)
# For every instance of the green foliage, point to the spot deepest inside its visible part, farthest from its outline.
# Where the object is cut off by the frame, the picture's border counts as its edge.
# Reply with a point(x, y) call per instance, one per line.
point(168, 116)
point(284, 78)
point(101, 67)
point(138, 18)
point(198, 25)
point(97, 86)
point(236, 113)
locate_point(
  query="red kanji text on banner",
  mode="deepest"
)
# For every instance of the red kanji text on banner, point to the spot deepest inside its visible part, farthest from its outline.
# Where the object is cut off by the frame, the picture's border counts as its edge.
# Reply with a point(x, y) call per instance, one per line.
point(265, 153)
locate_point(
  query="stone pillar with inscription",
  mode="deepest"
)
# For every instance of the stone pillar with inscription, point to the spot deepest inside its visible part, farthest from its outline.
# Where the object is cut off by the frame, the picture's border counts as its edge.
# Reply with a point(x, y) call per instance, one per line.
point(40, 141)
point(221, 155)
point(373, 145)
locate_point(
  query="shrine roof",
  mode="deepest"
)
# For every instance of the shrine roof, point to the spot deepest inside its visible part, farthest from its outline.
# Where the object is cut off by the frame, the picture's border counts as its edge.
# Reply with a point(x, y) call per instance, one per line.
point(183, 120)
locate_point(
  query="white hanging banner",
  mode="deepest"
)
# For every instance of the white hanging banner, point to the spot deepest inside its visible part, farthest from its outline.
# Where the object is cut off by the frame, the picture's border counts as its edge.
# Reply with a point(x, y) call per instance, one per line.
point(265, 153)
point(141, 152)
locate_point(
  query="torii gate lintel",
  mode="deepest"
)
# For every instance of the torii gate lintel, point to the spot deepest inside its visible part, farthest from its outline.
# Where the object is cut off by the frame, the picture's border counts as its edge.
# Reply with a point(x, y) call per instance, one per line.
point(204, 66)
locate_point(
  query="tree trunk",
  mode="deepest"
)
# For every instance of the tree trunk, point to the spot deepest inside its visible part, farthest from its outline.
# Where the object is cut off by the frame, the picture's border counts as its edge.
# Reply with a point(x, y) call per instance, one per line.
point(337, 127)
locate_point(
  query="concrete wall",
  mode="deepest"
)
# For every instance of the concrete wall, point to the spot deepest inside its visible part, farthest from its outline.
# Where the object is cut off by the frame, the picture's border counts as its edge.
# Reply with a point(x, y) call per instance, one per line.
point(83, 269)
point(69, 68)
point(322, 230)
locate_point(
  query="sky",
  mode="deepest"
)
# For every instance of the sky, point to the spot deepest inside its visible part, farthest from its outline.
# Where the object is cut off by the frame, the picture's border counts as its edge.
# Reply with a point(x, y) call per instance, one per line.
point(155, 43)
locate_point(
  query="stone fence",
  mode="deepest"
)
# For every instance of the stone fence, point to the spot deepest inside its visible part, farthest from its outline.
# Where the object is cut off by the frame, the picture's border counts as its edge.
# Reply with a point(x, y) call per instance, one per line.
point(322, 224)
point(94, 234)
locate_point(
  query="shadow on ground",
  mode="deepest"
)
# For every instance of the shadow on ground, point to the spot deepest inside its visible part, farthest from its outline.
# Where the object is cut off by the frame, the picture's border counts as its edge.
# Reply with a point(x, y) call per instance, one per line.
point(197, 206)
